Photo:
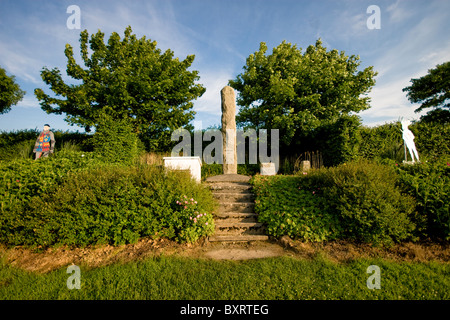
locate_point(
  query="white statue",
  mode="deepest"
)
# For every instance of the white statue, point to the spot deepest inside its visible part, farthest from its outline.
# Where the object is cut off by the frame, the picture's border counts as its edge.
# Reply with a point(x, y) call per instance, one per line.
point(408, 137)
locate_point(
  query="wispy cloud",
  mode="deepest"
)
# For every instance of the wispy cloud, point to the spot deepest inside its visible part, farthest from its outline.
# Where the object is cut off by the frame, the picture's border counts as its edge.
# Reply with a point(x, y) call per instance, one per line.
point(214, 81)
point(424, 37)
point(420, 46)
point(399, 11)
point(28, 101)
point(389, 102)
point(155, 20)
point(16, 60)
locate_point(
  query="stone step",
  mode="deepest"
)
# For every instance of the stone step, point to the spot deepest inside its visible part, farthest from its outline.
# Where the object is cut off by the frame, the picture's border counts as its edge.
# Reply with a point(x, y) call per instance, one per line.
point(234, 178)
point(243, 207)
point(239, 229)
point(235, 215)
point(235, 219)
point(250, 237)
point(225, 197)
point(237, 233)
point(237, 225)
point(231, 187)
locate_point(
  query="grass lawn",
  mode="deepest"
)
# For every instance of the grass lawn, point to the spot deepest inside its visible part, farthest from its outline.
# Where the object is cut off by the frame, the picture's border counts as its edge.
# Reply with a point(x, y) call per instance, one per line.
point(179, 278)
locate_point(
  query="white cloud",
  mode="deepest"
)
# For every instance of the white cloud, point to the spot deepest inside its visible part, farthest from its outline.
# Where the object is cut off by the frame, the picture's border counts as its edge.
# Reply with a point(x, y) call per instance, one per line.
point(214, 81)
point(413, 38)
point(17, 61)
point(347, 25)
point(158, 21)
point(421, 47)
point(389, 102)
point(155, 20)
point(28, 101)
point(433, 58)
point(399, 11)
point(418, 48)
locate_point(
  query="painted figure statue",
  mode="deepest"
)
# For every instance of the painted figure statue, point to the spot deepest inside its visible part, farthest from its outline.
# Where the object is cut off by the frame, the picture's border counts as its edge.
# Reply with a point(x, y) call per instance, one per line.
point(45, 143)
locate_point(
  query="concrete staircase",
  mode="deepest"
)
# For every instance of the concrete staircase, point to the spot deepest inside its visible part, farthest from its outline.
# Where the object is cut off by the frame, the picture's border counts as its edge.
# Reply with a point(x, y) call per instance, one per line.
point(236, 219)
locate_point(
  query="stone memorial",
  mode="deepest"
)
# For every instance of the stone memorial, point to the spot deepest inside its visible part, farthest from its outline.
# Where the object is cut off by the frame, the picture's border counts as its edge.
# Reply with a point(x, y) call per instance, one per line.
point(229, 130)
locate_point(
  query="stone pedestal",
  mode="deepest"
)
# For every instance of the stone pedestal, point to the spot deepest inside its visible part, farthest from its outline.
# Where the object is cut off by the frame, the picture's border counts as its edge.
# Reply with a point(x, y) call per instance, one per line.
point(268, 169)
point(305, 166)
point(191, 164)
point(229, 130)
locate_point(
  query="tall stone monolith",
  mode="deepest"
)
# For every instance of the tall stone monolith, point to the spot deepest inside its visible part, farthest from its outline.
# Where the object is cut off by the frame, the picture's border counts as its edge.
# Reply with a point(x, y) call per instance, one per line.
point(229, 130)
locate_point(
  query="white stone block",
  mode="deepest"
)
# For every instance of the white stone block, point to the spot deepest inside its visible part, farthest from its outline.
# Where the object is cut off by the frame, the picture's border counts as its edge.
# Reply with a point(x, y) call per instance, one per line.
point(305, 166)
point(193, 164)
point(268, 169)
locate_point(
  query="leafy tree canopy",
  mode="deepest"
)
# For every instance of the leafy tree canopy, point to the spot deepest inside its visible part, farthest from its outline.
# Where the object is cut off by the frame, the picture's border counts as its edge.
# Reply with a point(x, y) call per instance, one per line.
point(10, 92)
point(297, 92)
point(431, 90)
point(131, 76)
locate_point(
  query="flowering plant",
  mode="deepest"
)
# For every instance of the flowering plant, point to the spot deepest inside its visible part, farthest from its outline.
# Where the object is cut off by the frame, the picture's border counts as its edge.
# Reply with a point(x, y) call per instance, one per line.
point(194, 224)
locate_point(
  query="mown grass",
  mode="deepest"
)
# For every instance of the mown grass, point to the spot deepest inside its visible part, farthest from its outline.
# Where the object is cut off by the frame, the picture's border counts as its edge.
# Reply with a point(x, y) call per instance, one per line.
point(176, 278)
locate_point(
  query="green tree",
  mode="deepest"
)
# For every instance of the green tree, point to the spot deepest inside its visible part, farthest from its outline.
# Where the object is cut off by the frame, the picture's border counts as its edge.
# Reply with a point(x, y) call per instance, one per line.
point(10, 92)
point(298, 92)
point(152, 89)
point(432, 91)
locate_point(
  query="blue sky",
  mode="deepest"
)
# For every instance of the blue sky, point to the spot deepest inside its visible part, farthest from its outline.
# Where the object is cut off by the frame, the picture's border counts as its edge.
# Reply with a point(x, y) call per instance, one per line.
point(414, 37)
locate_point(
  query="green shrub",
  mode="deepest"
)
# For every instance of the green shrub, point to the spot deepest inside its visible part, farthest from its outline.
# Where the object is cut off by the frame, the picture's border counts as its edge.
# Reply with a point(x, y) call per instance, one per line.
point(214, 169)
point(247, 169)
point(81, 201)
point(23, 181)
point(339, 141)
point(358, 200)
point(368, 202)
point(287, 205)
point(432, 139)
point(429, 184)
